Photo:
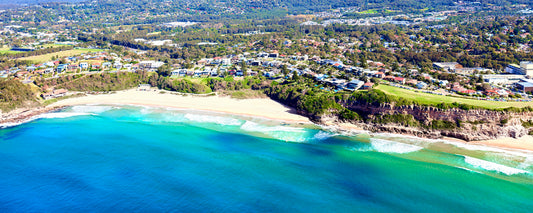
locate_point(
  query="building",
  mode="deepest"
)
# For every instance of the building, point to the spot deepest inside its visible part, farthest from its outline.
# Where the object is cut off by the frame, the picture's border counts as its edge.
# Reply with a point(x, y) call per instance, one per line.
point(368, 85)
point(421, 85)
point(524, 86)
point(513, 69)
point(354, 85)
point(61, 68)
point(502, 79)
point(448, 66)
point(84, 65)
point(527, 68)
point(54, 94)
point(150, 64)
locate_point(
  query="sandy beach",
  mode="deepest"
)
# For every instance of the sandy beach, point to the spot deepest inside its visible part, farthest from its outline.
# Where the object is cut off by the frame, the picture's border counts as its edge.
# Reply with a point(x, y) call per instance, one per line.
point(523, 143)
point(264, 107)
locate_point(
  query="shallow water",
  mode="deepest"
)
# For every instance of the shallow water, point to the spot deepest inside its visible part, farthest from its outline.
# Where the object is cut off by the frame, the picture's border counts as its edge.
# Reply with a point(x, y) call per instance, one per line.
point(142, 159)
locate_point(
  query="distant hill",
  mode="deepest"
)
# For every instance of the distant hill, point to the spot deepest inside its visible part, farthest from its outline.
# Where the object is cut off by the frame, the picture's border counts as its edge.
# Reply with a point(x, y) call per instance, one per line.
point(292, 6)
point(15, 3)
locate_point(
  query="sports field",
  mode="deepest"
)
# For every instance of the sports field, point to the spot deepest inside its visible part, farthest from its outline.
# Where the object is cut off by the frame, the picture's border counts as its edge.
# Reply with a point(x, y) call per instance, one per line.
point(432, 99)
point(48, 57)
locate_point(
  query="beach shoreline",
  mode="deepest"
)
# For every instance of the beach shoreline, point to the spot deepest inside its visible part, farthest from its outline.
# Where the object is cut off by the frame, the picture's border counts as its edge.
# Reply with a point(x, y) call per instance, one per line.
point(261, 108)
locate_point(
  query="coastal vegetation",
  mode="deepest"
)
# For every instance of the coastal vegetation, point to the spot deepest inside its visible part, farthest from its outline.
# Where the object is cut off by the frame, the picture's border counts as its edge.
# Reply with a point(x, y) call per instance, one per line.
point(14, 94)
point(99, 82)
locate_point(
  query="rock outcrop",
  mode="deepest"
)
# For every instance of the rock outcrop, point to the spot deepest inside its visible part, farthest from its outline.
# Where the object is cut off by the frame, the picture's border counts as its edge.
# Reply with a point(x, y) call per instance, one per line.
point(469, 125)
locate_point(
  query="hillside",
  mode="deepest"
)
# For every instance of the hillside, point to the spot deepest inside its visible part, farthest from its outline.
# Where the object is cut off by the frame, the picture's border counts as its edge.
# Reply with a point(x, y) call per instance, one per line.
point(14, 94)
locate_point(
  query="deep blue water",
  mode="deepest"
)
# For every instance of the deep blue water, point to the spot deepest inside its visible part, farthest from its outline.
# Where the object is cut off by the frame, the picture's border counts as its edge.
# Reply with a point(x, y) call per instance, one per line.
point(136, 159)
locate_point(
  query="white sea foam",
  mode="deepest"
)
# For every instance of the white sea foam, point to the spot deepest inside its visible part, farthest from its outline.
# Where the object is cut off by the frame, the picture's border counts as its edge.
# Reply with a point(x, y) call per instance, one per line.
point(91, 109)
point(322, 135)
point(387, 146)
point(46, 115)
point(62, 114)
point(473, 147)
point(528, 161)
point(255, 127)
point(213, 119)
point(285, 133)
point(13, 124)
point(490, 166)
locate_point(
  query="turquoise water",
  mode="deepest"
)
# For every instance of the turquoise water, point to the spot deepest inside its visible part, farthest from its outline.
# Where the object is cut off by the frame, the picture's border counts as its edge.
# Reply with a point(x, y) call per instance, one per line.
point(138, 159)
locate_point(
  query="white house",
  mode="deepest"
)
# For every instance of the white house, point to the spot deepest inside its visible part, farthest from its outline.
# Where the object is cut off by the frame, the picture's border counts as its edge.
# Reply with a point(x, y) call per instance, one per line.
point(84, 65)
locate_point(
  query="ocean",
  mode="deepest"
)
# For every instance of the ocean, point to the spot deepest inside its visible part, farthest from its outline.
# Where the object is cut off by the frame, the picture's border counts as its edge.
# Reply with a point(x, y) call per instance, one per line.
point(99, 158)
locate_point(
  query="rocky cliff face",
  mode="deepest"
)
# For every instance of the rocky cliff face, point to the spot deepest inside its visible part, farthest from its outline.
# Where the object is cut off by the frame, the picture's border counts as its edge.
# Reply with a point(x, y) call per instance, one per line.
point(470, 125)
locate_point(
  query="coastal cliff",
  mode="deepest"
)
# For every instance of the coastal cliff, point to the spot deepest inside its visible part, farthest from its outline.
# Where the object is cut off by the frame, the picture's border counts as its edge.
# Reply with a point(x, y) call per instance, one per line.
point(378, 112)
point(433, 122)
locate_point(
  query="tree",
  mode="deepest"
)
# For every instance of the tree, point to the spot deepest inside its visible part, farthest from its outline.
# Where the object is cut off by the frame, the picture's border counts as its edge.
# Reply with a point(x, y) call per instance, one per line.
point(395, 67)
point(164, 70)
point(363, 62)
point(285, 70)
point(295, 76)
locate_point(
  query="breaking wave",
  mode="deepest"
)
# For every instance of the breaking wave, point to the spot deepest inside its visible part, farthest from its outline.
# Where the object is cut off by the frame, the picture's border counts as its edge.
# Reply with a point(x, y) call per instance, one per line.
point(490, 166)
point(62, 114)
point(387, 146)
point(213, 119)
point(321, 135)
point(284, 133)
point(91, 109)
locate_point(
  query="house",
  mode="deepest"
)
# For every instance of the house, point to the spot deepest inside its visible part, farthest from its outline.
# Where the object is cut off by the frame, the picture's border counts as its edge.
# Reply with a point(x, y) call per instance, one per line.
point(368, 85)
point(389, 78)
point(47, 96)
point(31, 68)
point(399, 80)
point(413, 82)
point(354, 85)
point(491, 92)
point(84, 65)
point(96, 65)
point(106, 65)
point(72, 67)
point(61, 68)
point(178, 72)
point(421, 85)
point(469, 92)
point(379, 75)
point(48, 70)
point(150, 64)
point(59, 93)
point(54, 94)
point(117, 65)
point(127, 66)
point(273, 55)
point(22, 74)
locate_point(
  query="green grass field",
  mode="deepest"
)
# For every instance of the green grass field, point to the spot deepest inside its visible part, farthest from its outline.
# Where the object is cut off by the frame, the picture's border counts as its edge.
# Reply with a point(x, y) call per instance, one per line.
point(53, 45)
point(48, 57)
point(431, 99)
point(4, 50)
point(368, 12)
